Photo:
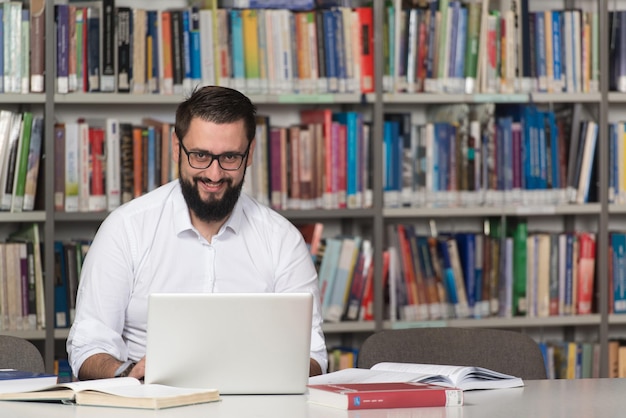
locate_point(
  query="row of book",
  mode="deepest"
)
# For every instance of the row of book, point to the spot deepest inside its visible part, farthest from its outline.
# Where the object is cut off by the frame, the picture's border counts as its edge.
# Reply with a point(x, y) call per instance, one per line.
point(21, 135)
point(322, 162)
point(105, 48)
point(486, 154)
point(573, 360)
point(102, 163)
point(457, 47)
point(345, 269)
point(495, 273)
point(22, 29)
point(22, 305)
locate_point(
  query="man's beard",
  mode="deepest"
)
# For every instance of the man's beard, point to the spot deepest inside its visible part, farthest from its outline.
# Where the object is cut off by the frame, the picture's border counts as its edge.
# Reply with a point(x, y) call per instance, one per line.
point(214, 209)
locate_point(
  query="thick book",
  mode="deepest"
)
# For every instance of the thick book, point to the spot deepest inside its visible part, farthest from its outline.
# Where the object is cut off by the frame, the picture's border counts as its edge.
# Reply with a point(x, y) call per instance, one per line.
point(125, 392)
point(462, 377)
point(356, 396)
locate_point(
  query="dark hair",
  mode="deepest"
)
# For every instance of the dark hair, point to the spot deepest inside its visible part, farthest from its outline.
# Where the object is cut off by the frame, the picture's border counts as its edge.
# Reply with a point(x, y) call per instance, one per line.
point(218, 105)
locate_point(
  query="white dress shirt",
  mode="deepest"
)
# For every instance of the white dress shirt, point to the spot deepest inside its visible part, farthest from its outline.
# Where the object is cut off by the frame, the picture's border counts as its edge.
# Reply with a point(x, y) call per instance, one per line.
point(149, 245)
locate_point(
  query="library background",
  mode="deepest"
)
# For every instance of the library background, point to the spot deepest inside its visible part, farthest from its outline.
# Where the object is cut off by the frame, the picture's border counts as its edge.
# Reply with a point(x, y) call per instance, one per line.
point(450, 163)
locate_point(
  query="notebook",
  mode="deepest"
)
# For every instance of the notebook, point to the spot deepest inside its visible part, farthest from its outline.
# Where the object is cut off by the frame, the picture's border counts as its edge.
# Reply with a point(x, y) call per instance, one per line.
point(238, 343)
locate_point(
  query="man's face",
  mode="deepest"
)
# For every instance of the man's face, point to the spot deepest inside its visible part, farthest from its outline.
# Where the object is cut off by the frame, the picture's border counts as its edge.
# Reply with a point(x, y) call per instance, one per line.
point(211, 193)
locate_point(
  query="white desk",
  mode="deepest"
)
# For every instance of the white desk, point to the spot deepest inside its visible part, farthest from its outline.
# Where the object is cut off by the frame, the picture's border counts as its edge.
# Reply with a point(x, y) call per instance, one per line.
point(541, 398)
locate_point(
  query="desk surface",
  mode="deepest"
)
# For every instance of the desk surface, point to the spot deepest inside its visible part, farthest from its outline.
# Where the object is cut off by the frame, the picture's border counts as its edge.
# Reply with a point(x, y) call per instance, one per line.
point(539, 398)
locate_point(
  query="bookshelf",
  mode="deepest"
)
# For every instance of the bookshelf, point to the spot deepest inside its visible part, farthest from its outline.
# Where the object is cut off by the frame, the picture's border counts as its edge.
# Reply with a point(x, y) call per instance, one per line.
point(375, 219)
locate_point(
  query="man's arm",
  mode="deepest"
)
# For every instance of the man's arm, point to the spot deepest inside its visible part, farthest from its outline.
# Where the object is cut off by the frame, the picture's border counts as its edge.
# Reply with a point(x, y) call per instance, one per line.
point(314, 368)
point(100, 366)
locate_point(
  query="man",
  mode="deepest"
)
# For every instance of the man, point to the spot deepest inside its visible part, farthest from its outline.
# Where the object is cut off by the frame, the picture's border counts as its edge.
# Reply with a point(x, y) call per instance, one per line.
point(195, 234)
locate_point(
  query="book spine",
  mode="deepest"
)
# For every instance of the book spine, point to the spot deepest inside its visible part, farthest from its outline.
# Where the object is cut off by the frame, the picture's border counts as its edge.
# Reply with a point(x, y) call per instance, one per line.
point(32, 172)
point(84, 167)
point(107, 81)
point(25, 53)
point(37, 23)
point(207, 47)
point(97, 193)
point(152, 56)
point(124, 66)
point(186, 49)
point(59, 167)
point(195, 45)
point(62, 28)
point(21, 163)
point(113, 162)
point(138, 48)
point(176, 19)
point(167, 83)
point(93, 49)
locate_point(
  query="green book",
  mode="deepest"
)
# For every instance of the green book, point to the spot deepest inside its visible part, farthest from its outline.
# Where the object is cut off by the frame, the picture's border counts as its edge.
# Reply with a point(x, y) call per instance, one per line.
point(519, 233)
point(21, 163)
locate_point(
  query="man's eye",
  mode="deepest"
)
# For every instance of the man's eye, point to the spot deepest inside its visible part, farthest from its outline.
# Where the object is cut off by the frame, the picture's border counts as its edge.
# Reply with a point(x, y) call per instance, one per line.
point(202, 155)
point(229, 157)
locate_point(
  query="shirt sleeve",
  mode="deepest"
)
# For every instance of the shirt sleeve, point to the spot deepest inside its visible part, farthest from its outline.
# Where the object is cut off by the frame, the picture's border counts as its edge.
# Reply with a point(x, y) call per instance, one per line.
point(296, 273)
point(103, 294)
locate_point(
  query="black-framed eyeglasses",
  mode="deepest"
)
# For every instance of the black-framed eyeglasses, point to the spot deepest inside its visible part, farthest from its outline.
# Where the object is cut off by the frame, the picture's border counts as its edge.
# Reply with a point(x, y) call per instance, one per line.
point(201, 160)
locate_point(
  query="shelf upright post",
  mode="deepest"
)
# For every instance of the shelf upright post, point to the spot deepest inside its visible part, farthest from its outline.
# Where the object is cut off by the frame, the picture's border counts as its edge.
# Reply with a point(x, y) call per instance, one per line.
point(48, 190)
point(602, 247)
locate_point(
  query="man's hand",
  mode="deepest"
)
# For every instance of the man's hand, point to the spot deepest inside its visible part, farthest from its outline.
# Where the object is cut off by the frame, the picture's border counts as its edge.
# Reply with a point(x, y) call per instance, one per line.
point(139, 370)
point(314, 368)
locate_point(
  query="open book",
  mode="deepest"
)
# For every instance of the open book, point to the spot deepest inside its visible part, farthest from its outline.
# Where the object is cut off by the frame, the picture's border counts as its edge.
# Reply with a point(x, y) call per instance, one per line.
point(462, 377)
point(125, 392)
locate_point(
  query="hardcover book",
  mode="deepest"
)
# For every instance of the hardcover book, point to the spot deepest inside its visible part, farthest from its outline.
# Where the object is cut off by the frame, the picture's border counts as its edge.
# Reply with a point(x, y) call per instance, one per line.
point(125, 392)
point(355, 396)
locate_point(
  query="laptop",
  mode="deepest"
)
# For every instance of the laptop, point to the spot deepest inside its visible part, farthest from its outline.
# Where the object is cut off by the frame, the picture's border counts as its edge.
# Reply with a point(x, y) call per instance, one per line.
point(238, 343)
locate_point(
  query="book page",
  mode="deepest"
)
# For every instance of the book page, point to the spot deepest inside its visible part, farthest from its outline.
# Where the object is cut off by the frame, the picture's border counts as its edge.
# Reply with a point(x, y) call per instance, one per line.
point(354, 375)
point(464, 377)
point(149, 391)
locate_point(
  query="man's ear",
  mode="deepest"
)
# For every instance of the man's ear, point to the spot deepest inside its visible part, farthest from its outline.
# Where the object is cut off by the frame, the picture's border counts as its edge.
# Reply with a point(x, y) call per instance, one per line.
point(175, 147)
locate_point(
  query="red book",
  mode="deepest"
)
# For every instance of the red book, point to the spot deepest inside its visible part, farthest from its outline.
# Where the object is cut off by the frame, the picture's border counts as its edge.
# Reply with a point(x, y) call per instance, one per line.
point(586, 272)
point(384, 395)
point(366, 19)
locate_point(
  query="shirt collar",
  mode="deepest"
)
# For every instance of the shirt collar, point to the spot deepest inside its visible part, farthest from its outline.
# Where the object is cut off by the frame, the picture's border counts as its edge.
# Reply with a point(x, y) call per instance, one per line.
point(182, 219)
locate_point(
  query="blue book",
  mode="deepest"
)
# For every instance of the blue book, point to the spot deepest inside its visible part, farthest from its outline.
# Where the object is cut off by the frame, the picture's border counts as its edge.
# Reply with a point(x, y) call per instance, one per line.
point(569, 274)
point(350, 120)
point(61, 305)
point(540, 57)
point(186, 28)
point(330, 47)
point(466, 243)
point(23, 381)
point(152, 156)
point(340, 52)
point(557, 18)
point(459, 66)
point(618, 247)
point(448, 273)
point(453, 9)
point(613, 161)
point(194, 44)
point(542, 171)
